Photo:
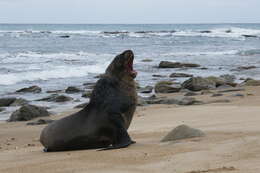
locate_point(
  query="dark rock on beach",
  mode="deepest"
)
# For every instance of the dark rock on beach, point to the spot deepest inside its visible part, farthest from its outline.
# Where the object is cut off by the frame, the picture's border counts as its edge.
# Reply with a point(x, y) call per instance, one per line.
point(12, 101)
point(31, 89)
point(64, 36)
point(72, 89)
point(158, 75)
point(54, 91)
point(241, 68)
point(198, 84)
point(168, 64)
point(28, 112)
point(167, 87)
point(19, 102)
point(251, 82)
point(190, 93)
point(179, 100)
point(249, 36)
point(205, 32)
point(182, 132)
point(6, 101)
point(147, 89)
point(176, 75)
point(147, 60)
point(56, 98)
point(40, 122)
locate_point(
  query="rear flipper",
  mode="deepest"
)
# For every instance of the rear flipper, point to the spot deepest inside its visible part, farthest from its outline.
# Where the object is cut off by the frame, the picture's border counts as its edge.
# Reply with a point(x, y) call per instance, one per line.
point(122, 138)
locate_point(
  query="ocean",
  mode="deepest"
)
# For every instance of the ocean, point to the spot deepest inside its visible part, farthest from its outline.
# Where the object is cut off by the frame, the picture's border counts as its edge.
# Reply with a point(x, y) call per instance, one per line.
point(55, 56)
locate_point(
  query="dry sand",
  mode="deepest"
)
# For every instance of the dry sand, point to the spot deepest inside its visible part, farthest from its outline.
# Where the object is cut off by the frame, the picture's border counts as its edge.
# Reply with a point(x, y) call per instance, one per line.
point(232, 142)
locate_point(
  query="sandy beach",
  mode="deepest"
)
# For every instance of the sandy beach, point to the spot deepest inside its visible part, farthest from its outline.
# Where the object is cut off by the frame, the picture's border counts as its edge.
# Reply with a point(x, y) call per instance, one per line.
point(231, 144)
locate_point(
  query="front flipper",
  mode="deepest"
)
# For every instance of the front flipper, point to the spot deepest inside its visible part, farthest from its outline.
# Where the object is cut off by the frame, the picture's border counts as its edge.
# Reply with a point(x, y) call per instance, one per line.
point(122, 138)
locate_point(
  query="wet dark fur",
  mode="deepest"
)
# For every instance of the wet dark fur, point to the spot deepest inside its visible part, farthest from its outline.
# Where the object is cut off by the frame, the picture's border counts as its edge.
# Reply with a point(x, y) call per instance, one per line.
point(104, 121)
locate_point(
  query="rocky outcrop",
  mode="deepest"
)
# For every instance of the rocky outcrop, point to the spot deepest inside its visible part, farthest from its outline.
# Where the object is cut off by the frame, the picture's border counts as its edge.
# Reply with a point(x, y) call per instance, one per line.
point(31, 89)
point(28, 112)
point(198, 84)
point(182, 132)
point(167, 87)
point(168, 64)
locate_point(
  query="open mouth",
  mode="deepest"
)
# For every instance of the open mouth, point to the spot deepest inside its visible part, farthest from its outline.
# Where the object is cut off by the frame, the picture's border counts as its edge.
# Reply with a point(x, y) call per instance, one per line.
point(129, 67)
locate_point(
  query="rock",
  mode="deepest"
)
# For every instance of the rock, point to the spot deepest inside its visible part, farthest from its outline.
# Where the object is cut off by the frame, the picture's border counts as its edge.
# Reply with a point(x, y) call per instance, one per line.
point(40, 122)
point(147, 89)
point(115, 32)
point(198, 84)
point(87, 94)
point(219, 101)
point(203, 68)
point(28, 112)
point(2, 109)
point(225, 86)
point(244, 68)
point(72, 89)
point(168, 64)
point(206, 32)
point(182, 132)
point(167, 87)
point(176, 75)
point(252, 83)
point(54, 91)
point(190, 93)
point(228, 78)
point(238, 95)
point(228, 31)
point(64, 36)
point(81, 105)
point(19, 102)
point(249, 36)
point(6, 101)
point(231, 90)
point(216, 95)
point(56, 98)
point(31, 89)
point(205, 92)
point(217, 80)
point(147, 60)
point(179, 100)
point(158, 75)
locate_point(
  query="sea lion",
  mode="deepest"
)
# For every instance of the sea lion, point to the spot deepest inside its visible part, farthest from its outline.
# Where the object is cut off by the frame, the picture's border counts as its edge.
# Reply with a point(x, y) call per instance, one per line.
point(103, 123)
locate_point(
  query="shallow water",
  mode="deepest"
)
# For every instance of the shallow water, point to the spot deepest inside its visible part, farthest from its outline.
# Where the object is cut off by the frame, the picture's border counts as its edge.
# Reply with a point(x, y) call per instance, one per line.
point(40, 55)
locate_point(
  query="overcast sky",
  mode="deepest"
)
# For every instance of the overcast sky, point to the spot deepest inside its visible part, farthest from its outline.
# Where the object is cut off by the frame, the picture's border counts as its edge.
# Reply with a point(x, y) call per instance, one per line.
point(129, 11)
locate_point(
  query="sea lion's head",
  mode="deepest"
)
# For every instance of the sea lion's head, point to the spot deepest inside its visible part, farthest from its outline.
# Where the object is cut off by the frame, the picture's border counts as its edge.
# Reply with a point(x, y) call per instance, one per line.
point(122, 66)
